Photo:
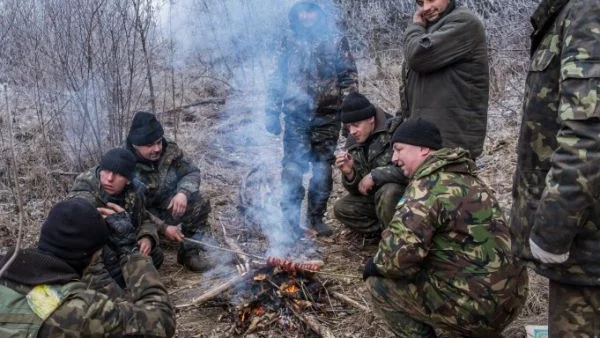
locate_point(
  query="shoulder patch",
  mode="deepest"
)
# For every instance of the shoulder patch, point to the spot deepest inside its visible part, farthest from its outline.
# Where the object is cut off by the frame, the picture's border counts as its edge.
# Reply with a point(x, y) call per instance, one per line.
point(43, 300)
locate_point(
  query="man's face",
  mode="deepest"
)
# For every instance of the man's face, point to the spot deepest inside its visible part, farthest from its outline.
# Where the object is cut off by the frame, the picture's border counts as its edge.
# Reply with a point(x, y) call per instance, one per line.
point(112, 182)
point(409, 157)
point(432, 9)
point(361, 130)
point(308, 18)
point(150, 152)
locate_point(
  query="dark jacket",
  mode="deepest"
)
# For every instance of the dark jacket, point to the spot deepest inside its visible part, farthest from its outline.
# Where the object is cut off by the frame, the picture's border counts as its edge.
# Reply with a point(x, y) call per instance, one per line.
point(374, 156)
point(446, 77)
point(556, 187)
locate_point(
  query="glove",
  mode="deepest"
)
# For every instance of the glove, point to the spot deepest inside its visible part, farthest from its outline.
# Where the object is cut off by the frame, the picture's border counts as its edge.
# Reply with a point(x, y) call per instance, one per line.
point(273, 125)
point(371, 270)
point(123, 235)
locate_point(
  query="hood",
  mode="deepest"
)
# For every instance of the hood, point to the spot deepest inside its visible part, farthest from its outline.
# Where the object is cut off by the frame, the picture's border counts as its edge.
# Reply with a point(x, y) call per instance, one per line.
point(297, 27)
point(450, 8)
point(33, 267)
point(455, 160)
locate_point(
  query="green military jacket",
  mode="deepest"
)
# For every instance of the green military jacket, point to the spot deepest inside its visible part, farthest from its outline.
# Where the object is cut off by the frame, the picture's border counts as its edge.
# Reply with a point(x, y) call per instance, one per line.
point(87, 186)
point(446, 77)
point(449, 230)
point(556, 187)
point(174, 172)
point(374, 156)
point(69, 308)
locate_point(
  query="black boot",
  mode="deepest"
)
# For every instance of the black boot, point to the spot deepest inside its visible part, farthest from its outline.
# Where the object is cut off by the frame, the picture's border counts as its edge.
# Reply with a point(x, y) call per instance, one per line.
point(192, 258)
point(322, 229)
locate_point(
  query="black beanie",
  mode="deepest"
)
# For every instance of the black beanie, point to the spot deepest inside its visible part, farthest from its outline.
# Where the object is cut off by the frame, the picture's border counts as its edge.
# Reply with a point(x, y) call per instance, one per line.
point(145, 129)
point(356, 107)
point(73, 232)
point(120, 161)
point(420, 133)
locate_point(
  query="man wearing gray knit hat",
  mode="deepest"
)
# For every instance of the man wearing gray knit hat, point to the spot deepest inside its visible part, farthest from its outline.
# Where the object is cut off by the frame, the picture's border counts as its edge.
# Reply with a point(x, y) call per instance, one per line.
point(373, 183)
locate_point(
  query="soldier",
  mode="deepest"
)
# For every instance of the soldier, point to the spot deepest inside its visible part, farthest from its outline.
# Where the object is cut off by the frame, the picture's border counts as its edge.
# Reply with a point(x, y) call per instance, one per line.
point(315, 70)
point(109, 188)
point(446, 75)
point(444, 261)
point(172, 184)
point(555, 218)
point(374, 184)
point(44, 294)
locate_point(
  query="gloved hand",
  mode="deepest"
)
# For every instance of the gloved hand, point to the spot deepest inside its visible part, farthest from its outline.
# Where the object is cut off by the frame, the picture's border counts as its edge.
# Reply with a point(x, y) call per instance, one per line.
point(123, 235)
point(371, 270)
point(273, 125)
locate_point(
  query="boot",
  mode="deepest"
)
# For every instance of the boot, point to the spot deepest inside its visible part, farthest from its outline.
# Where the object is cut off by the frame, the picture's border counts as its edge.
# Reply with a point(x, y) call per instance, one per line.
point(190, 258)
point(322, 229)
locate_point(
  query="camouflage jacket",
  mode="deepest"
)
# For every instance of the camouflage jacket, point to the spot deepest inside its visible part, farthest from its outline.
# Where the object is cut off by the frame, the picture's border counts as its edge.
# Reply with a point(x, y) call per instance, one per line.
point(446, 77)
point(317, 72)
point(374, 156)
point(173, 173)
point(87, 186)
point(448, 228)
point(87, 312)
point(556, 187)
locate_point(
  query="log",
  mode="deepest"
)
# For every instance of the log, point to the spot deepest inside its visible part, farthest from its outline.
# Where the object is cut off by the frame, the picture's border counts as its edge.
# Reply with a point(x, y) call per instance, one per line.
point(212, 293)
point(311, 323)
point(349, 301)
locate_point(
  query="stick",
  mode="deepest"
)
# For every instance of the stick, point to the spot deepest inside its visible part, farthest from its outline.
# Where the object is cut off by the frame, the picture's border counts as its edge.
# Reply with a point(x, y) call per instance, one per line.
point(212, 293)
point(311, 323)
point(224, 249)
point(345, 299)
point(235, 247)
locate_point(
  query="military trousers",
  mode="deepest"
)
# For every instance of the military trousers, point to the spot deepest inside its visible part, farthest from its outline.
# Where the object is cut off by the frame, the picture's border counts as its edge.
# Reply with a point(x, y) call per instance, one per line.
point(371, 213)
point(309, 141)
point(193, 221)
point(573, 310)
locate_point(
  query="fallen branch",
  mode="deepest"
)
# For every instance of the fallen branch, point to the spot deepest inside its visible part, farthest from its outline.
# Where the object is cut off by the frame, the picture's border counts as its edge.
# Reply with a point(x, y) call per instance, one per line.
point(210, 100)
point(311, 323)
point(212, 293)
point(349, 301)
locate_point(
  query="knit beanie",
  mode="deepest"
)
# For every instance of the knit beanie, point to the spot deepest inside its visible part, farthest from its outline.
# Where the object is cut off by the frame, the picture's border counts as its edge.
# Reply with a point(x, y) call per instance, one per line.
point(120, 161)
point(418, 132)
point(356, 107)
point(145, 129)
point(73, 232)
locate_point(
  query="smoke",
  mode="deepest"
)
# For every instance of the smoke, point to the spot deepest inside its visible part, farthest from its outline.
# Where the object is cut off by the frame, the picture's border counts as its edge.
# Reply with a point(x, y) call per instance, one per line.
point(240, 41)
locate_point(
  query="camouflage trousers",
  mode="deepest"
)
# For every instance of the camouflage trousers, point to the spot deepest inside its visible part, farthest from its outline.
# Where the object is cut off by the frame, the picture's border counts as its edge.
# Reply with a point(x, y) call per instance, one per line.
point(411, 309)
point(573, 310)
point(369, 213)
point(308, 141)
point(195, 218)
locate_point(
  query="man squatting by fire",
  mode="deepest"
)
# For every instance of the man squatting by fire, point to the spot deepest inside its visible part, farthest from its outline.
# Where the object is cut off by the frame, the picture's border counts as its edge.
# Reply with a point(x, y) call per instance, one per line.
point(315, 71)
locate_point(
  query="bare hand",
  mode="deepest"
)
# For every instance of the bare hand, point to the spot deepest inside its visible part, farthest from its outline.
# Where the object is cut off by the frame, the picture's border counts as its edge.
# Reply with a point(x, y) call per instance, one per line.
point(345, 163)
point(111, 209)
point(366, 184)
point(178, 205)
point(418, 17)
point(173, 233)
point(145, 245)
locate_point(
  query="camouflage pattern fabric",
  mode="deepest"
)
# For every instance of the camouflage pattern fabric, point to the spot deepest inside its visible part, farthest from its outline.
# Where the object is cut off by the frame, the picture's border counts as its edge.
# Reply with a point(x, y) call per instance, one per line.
point(87, 186)
point(90, 313)
point(173, 173)
point(446, 254)
point(373, 212)
point(557, 182)
point(446, 77)
point(572, 305)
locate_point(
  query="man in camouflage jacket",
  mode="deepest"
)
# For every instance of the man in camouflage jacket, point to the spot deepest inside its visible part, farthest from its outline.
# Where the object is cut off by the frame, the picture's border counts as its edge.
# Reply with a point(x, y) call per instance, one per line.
point(109, 184)
point(555, 219)
point(315, 70)
point(374, 183)
point(171, 188)
point(45, 291)
point(446, 75)
point(444, 261)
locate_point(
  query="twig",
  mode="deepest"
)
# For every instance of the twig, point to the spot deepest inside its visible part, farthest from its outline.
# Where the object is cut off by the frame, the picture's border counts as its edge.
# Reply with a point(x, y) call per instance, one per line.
point(239, 252)
point(235, 247)
point(349, 301)
point(16, 190)
point(210, 100)
point(212, 293)
point(311, 323)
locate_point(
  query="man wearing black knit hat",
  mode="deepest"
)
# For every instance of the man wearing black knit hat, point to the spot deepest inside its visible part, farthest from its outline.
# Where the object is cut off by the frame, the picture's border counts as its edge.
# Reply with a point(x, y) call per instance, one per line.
point(110, 188)
point(444, 261)
point(172, 188)
point(45, 292)
point(373, 182)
